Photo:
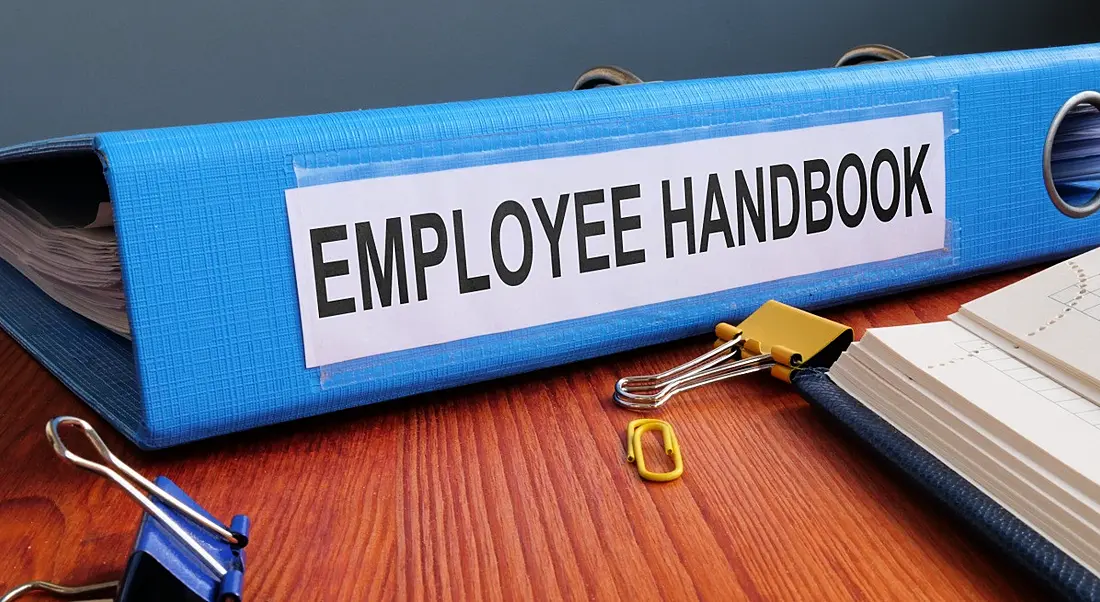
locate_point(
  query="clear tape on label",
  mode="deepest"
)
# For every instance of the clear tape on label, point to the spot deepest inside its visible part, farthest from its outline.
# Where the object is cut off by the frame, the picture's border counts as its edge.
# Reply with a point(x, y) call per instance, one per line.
point(592, 137)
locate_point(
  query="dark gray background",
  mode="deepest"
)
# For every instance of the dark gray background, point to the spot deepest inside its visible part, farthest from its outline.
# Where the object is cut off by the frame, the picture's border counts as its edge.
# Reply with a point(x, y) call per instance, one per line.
point(71, 66)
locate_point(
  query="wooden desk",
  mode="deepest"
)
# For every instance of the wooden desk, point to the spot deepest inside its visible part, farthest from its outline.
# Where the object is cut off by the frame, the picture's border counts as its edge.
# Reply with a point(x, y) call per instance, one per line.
point(445, 497)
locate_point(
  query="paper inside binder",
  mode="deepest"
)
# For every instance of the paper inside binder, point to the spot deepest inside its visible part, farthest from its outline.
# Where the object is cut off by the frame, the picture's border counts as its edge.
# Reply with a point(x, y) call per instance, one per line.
point(57, 229)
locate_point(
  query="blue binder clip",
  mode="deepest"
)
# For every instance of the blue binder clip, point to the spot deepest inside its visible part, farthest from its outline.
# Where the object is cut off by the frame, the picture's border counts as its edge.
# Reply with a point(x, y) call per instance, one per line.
point(181, 553)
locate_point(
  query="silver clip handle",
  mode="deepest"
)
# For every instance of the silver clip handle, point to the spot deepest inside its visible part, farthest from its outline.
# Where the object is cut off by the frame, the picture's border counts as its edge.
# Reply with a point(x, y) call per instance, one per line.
point(54, 436)
point(650, 392)
point(62, 591)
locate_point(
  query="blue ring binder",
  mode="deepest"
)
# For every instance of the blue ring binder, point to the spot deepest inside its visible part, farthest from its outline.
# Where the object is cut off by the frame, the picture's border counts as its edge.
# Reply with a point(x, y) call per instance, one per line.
point(201, 219)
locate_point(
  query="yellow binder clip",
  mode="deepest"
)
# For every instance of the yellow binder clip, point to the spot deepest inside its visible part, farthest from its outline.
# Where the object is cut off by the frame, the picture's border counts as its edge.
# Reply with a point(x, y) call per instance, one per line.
point(634, 432)
point(777, 338)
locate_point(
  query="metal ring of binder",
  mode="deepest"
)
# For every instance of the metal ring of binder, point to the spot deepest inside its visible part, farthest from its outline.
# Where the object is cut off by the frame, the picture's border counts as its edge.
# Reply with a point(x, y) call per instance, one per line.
point(870, 53)
point(605, 75)
point(612, 75)
point(1090, 98)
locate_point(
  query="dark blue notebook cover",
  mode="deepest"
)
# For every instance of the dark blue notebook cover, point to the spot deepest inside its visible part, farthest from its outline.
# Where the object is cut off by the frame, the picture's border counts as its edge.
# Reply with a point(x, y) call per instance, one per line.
point(1033, 551)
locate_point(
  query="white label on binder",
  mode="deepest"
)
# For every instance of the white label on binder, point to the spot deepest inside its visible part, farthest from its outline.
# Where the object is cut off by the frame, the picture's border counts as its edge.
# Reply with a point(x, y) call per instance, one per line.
point(399, 262)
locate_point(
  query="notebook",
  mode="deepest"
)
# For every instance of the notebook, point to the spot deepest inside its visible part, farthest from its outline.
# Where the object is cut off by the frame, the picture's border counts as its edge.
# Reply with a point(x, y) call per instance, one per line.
point(1005, 395)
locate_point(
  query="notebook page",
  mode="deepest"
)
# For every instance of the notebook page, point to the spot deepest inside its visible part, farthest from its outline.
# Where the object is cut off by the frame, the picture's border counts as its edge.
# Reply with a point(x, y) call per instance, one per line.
point(1051, 425)
point(1054, 314)
point(1070, 380)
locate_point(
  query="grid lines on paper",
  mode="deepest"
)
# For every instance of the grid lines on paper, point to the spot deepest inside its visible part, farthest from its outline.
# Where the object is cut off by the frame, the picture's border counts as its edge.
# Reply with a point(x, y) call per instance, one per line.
point(1032, 379)
point(1089, 301)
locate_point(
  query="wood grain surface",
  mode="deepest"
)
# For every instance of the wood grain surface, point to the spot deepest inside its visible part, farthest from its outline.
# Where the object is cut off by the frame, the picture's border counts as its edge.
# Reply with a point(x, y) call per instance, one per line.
point(518, 489)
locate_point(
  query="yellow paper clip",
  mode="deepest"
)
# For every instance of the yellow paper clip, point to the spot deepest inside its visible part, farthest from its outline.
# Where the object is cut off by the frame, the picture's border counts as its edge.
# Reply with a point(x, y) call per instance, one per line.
point(777, 337)
point(634, 432)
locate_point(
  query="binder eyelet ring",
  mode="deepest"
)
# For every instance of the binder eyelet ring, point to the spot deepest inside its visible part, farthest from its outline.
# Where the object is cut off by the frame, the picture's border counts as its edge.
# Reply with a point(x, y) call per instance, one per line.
point(1075, 211)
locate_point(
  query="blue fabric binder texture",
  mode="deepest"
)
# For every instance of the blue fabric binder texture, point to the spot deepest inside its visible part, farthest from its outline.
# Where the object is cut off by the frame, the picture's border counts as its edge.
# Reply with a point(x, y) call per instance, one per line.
point(1031, 550)
point(201, 220)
